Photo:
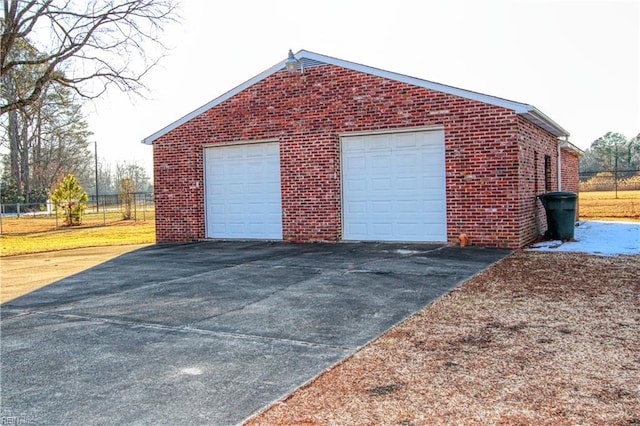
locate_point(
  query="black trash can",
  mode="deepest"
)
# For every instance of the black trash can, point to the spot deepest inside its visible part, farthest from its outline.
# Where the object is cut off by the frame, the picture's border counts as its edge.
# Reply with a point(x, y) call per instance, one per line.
point(561, 213)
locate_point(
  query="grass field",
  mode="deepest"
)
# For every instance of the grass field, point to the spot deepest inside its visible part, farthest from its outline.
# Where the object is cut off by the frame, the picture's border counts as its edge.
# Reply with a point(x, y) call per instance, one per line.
point(35, 235)
point(603, 205)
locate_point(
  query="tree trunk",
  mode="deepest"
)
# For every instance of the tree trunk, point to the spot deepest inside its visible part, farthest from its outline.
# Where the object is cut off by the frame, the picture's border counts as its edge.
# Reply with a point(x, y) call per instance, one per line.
point(14, 148)
point(24, 160)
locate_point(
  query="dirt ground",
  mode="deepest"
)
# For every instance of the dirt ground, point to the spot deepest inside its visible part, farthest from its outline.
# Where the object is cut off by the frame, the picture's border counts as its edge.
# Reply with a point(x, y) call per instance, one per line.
point(540, 338)
point(26, 273)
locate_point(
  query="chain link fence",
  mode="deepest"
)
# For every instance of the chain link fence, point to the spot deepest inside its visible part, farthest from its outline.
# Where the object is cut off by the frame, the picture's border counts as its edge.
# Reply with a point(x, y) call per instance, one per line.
point(621, 180)
point(27, 218)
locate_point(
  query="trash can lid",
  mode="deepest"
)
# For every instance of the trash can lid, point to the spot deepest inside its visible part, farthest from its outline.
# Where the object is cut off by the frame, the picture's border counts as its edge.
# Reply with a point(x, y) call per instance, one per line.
point(559, 195)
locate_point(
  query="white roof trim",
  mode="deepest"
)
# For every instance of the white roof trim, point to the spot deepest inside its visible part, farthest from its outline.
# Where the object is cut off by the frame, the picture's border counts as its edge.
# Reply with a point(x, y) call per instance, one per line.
point(529, 112)
point(568, 146)
point(538, 118)
point(231, 93)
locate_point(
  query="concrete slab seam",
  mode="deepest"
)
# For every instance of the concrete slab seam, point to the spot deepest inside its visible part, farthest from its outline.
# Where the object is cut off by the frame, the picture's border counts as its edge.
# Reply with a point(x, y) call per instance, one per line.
point(18, 314)
point(188, 329)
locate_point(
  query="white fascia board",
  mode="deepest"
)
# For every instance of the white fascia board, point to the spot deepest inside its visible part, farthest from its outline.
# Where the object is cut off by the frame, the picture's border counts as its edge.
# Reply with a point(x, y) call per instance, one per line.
point(537, 117)
point(568, 146)
point(217, 101)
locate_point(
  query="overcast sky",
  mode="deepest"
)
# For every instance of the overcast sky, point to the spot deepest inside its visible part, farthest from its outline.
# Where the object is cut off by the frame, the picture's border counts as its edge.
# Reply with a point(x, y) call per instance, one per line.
point(578, 61)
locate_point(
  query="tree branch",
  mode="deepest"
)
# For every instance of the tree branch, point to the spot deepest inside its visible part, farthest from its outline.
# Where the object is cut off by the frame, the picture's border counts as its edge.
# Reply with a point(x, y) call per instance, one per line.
point(89, 49)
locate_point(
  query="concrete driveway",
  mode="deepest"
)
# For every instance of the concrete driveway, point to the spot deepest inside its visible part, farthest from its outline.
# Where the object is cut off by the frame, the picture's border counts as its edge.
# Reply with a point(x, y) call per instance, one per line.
point(209, 332)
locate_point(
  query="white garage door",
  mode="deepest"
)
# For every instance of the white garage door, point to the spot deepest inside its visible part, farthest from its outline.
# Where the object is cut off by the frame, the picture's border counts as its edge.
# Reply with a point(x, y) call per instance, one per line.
point(243, 191)
point(394, 187)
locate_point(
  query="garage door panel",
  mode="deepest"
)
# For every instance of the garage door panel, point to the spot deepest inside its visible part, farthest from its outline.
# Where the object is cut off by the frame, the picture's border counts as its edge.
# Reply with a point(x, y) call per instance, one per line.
point(255, 188)
point(381, 207)
point(406, 183)
point(380, 161)
point(235, 208)
point(357, 207)
point(373, 143)
point(257, 227)
point(215, 191)
point(382, 183)
point(408, 144)
point(236, 188)
point(397, 190)
point(235, 229)
point(356, 228)
point(407, 206)
point(356, 161)
point(406, 229)
point(382, 228)
point(217, 209)
point(432, 218)
point(431, 162)
point(243, 196)
point(356, 185)
point(406, 160)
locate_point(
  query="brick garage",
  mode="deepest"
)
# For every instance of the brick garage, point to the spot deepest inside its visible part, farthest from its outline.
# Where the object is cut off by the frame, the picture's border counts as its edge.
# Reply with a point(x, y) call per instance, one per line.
point(330, 116)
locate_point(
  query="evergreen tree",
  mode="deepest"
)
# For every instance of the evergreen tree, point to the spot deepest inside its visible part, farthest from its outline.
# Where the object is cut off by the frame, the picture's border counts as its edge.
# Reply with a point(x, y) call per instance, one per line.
point(71, 198)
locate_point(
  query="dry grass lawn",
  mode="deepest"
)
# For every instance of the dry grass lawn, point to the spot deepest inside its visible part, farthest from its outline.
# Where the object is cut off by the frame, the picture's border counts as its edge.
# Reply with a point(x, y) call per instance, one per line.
point(540, 338)
point(604, 205)
point(26, 235)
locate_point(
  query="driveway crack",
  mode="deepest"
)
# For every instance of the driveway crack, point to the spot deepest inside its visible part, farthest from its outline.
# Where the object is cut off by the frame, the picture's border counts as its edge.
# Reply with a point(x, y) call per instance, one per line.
point(192, 330)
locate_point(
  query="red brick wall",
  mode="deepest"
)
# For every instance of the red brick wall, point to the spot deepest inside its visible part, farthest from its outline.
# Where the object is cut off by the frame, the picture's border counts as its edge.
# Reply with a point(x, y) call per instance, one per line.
point(482, 169)
point(308, 113)
point(178, 185)
point(570, 171)
point(570, 174)
point(534, 145)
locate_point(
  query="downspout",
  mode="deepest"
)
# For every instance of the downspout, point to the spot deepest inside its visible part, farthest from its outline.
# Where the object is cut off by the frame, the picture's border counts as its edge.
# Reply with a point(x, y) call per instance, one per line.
point(559, 167)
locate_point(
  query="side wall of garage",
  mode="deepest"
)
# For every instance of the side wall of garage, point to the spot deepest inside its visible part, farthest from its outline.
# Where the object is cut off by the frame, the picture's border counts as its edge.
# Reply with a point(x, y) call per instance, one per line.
point(570, 171)
point(538, 173)
point(570, 174)
point(307, 114)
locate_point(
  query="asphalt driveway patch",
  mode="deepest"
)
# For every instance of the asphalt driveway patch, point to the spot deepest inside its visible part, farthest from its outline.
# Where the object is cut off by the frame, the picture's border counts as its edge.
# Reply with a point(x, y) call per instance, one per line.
point(209, 332)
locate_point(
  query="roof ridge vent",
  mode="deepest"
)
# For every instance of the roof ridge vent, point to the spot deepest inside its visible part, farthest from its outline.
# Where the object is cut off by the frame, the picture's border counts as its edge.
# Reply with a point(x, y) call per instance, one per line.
point(304, 63)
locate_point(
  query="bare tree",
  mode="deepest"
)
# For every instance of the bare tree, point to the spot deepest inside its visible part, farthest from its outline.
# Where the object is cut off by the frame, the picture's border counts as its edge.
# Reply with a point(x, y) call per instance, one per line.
point(127, 196)
point(46, 139)
point(135, 173)
point(86, 46)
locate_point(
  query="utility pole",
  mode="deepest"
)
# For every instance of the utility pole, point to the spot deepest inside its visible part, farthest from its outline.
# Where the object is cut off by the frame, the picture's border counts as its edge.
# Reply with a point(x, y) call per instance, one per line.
point(95, 150)
point(615, 173)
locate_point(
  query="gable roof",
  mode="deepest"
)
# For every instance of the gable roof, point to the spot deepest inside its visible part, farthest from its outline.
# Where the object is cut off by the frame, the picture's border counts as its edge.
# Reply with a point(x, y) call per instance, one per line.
point(309, 59)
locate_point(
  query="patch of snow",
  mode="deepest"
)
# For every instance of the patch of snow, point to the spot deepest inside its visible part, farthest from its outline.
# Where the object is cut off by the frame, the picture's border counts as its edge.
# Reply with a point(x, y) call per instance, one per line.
point(405, 252)
point(192, 371)
point(600, 238)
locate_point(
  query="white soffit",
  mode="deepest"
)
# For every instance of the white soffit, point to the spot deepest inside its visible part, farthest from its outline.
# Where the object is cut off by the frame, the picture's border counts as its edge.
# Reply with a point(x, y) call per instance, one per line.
point(568, 146)
point(529, 112)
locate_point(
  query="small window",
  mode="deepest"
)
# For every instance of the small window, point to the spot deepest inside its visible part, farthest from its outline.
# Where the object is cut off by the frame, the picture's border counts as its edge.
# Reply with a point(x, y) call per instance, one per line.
point(547, 173)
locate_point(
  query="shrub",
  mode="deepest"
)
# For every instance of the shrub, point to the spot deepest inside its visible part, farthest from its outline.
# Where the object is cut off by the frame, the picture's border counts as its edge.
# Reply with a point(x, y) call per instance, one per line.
point(604, 181)
point(127, 188)
point(70, 199)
